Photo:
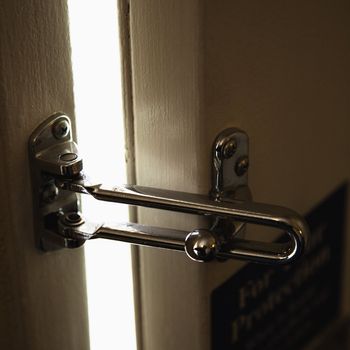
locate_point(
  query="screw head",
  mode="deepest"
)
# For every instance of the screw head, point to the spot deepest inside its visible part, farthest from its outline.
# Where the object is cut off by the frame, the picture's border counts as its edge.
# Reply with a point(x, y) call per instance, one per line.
point(61, 129)
point(73, 218)
point(229, 148)
point(50, 193)
point(201, 245)
point(68, 157)
point(242, 166)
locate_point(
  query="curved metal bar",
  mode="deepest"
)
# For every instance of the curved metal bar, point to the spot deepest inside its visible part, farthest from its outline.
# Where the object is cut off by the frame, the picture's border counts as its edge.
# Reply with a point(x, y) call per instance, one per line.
point(247, 212)
point(260, 252)
point(55, 158)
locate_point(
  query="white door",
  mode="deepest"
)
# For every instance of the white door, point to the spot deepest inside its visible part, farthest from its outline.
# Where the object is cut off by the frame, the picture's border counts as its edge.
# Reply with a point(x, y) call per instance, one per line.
point(42, 296)
point(277, 70)
point(192, 68)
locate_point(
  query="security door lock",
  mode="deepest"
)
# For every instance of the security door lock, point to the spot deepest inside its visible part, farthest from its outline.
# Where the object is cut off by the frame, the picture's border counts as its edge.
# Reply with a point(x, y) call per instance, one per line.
point(58, 179)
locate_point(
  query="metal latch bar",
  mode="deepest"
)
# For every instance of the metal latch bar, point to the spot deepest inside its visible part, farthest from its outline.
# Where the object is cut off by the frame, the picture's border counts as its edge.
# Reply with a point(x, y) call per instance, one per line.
point(56, 163)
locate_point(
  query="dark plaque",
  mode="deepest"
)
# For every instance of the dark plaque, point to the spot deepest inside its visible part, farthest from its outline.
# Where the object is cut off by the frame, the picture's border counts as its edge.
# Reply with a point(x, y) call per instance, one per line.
point(269, 308)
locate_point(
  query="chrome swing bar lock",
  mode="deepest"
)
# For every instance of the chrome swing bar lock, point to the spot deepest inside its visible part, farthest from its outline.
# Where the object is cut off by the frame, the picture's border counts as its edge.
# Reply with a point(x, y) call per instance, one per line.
point(58, 179)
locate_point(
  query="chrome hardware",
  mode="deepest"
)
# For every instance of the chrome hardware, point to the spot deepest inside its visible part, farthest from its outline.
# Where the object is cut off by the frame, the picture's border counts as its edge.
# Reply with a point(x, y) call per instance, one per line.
point(202, 245)
point(61, 128)
point(58, 179)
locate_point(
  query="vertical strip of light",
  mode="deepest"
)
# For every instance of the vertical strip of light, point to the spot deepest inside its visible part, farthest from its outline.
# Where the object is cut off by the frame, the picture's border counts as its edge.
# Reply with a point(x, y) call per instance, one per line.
point(99, 114)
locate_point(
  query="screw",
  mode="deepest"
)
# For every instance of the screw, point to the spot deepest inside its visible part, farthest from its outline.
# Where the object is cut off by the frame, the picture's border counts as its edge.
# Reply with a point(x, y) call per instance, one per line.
point(229, 149)
point(50, 193)
point(242, 166)
point(61, 129)
point(68, 157)
point(72, 218)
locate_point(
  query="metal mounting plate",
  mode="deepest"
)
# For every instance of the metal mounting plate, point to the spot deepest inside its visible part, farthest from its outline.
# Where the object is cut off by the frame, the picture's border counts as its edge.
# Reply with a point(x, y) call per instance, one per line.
point(52, 139)
point(230, 176)
point(230, 162)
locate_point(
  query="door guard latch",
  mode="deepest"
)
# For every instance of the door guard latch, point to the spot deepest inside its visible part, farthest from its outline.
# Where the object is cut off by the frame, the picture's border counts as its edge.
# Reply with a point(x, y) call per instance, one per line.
point(58, 179)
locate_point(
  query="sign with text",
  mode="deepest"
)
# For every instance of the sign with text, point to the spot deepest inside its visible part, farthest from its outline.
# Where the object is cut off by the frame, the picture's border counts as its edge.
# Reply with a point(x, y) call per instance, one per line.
point(267, 307)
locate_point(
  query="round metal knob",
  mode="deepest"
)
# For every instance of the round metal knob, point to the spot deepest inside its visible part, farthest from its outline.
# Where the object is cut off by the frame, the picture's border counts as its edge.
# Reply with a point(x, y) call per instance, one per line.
point(201, 245)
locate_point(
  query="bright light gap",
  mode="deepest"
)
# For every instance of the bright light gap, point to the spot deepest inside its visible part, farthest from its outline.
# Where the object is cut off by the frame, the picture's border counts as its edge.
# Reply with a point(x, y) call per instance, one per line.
point(99, 115)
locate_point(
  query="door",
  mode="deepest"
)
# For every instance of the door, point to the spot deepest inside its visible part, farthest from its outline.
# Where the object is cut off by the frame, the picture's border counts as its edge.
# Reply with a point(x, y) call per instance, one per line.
point(277, 70)
point(192, 68)
point(42, 296)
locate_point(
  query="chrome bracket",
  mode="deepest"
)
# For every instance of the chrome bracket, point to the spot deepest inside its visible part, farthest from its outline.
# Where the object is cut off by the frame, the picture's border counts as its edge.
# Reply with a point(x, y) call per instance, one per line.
point(58, 179)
